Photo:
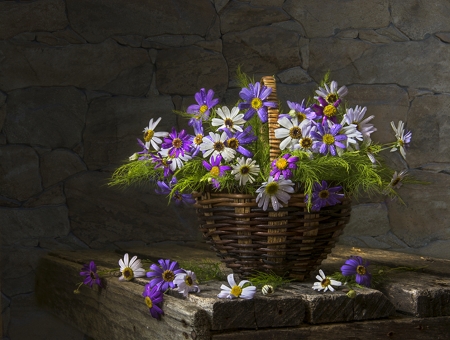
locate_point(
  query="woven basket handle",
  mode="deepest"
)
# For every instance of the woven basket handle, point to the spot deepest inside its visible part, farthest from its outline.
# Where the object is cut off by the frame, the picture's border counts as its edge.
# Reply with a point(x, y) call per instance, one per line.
point(274, 143)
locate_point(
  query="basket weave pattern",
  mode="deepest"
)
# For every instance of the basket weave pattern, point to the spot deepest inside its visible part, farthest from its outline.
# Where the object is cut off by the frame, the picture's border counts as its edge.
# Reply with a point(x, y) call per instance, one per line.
point(290, 242)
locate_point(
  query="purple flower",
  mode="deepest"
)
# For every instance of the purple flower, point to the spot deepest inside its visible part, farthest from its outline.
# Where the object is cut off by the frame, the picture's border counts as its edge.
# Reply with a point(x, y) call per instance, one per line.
point(153, 297)
point(197, 139)
point(326, 110)
point(202, 109)
point(165, 189)
point(214, 167)
point(355, 265)
point(164, 274)
point(89, 270)
point(327, 138)
point(300, 111)
point(177, 143)
point(162, 162)
point(283, 166)
point(239, 139)
point(255, 101)
point(323, 195)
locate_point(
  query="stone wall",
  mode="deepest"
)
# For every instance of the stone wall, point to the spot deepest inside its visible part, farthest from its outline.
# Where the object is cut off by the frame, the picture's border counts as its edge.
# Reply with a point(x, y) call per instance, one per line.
point(80, 79)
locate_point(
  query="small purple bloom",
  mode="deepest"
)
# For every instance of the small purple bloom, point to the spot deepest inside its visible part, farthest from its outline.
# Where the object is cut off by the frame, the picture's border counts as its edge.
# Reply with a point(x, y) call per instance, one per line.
point(323, 195)
point(240, 138)
point(197, 139)
point(201, 110)
point(326, 110)
point(355, 265)
point(162, 162)
point(327, 138)
point(177, 143)
point(163, 275)
point(283, 166)
point(89, 270)
point(255, 101)
point(165, 189)
point(300, 111)
point(214, 167)
point(153, 298)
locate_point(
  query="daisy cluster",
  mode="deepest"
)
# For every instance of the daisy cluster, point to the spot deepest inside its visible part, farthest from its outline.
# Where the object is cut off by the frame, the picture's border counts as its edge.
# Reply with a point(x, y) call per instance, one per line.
point(164, 276)
point(224, 148)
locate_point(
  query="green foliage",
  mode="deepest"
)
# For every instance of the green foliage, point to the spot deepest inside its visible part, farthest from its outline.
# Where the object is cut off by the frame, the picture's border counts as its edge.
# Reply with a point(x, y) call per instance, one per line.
point(205, 270)
point(260, 279)
point(135, 173)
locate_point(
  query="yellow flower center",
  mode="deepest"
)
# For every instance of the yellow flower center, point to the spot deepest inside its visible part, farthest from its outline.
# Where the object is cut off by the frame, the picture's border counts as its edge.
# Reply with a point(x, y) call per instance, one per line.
point(168, 276)
point(236, 291)
point(233, 143)
point(306, 142)
point(228, 122)
point(148, 135)
point(256, 103)
point(331, 98)
point(203, 108)
point(281, 163)
point(329, 111)
point(148, 302)
point(198, 139)
point(400, 142)
point(325, 282)
point(188, 280)
point(328, 139)
point(361, 270)
point(357, 126)
point(324, 194)
point(272, 188)
point(128, 273)
point(295, 132)
point(215, 171)
point(395, 182)
point(218, 146)
point(300, 116)
point(245, 169)
point(177, 143)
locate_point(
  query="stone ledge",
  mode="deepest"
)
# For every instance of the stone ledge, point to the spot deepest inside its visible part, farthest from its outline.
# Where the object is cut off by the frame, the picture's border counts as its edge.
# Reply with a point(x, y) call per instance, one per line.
point(119, 311)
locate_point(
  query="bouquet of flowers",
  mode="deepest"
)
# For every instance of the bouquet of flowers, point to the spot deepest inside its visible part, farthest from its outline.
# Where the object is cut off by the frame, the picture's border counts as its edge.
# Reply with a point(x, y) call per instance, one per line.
point(325, 150)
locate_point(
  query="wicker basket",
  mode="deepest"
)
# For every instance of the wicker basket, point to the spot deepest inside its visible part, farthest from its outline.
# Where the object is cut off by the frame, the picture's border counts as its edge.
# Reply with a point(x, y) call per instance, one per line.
point(290, 242)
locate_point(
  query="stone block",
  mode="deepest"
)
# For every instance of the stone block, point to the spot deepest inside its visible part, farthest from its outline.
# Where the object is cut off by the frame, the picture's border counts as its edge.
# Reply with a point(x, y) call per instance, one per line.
point(240, 16)
point(19, 172)
point(113, 125)
point(433, 18)
point(267, 49)
point(51, 196)
point(295, 75)
point(324, 20)
point(418, 294)
point(129, 69)
point(373, 37)
point(193, 67)
point(368, 220)
point(58, 165)
point(392, 33)
point(50, 117)
point(44, 15)
point(97, 21)
point(429, 120)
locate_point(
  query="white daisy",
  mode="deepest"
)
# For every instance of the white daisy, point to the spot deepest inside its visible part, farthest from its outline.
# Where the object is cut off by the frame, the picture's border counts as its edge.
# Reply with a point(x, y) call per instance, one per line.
point(331, 94)
point(130, 268)
point(356, 116)
point(215, 145)
point(403, 139)
point(151, 137)
point(244, 170)
point(176, 162)
point(353, 138)
point(230, 120)
point(396, 181)
point(305, 143)
point(236, 290)
point(291, 131)
point(274, 191)
point(186, 283)
point(325, 282)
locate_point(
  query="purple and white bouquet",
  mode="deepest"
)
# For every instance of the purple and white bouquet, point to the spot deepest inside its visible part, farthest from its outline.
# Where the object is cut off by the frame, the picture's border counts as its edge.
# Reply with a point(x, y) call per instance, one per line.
point(326, 150)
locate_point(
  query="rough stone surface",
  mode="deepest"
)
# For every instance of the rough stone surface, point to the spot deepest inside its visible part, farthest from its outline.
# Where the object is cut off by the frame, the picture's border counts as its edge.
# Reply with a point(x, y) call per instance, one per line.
point(51, 196)
point(368, 220)
point(32, 224)
point(49, 117)
point(295, 75)
point(58, 165)
point(411, 221)
point(193, 67)
point(235, 16)
point(324, 22)
point(393, 33)
point(429, 113)
point(101, 215)
point(261, 50)
point(114, 124)
point(96, 21)
point(129, 70)
point(434, 18)
point(356, 61)
point(19, 172)
point(18, 17)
